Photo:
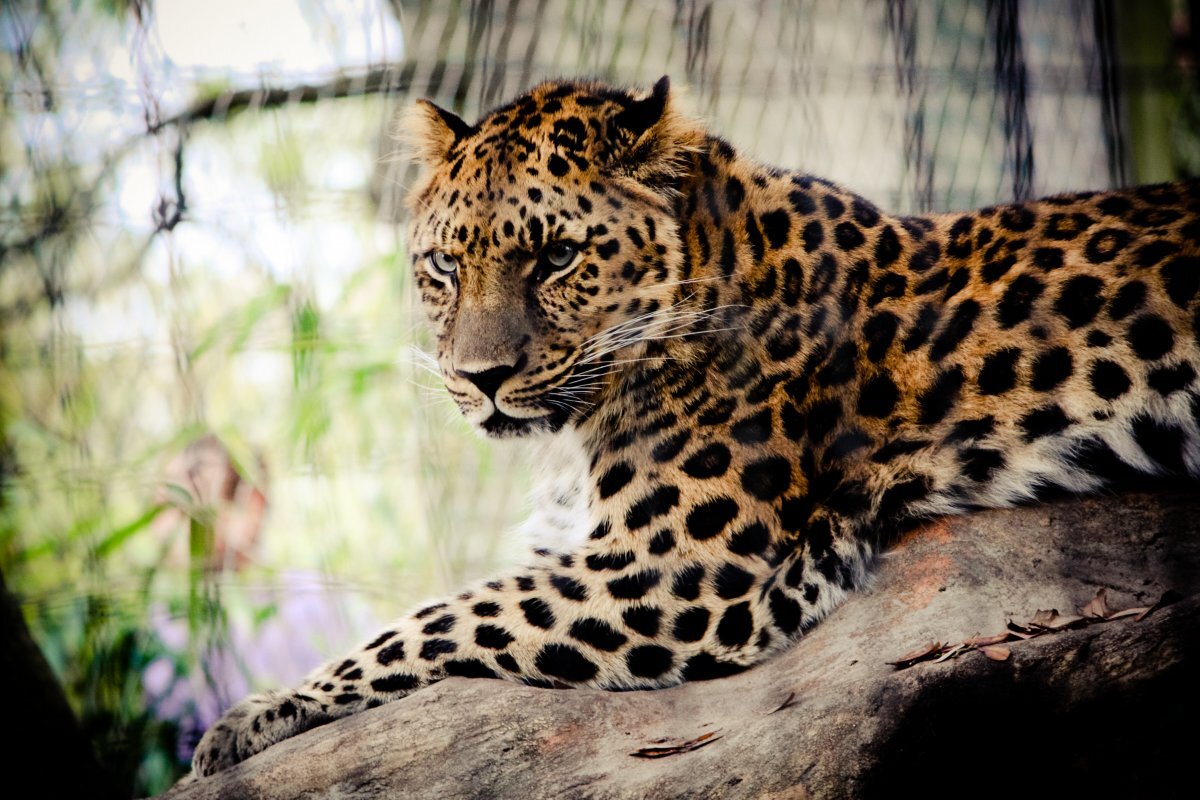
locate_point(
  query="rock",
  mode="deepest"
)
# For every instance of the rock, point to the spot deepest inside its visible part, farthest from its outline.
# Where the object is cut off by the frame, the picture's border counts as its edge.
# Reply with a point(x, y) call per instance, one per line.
point(1106, 709)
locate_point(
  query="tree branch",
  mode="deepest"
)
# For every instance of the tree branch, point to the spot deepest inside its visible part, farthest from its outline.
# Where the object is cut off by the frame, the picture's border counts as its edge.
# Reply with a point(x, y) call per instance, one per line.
point(379, 80)
point(1106, 710)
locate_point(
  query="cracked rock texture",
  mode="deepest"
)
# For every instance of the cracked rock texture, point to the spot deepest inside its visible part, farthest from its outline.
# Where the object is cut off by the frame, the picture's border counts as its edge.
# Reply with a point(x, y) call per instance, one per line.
point(1108, 710)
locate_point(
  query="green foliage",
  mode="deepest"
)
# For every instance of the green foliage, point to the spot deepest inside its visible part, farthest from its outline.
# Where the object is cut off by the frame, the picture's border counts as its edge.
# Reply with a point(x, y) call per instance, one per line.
point(102, 651)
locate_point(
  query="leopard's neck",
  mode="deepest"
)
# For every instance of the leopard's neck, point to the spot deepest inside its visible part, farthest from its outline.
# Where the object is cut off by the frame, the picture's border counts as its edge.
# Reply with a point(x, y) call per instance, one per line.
point(769, 284)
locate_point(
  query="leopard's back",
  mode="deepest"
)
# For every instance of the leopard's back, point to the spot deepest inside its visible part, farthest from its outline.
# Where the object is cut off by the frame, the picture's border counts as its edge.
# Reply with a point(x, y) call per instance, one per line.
point(1019, 348)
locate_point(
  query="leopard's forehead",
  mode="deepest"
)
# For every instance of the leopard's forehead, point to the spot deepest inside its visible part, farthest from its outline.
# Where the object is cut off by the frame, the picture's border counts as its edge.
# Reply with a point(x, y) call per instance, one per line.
point(558, 131)
point(570, 116)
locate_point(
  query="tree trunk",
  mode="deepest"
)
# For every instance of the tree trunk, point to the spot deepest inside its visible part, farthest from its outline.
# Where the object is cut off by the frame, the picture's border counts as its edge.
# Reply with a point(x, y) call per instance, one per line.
point(45, 742)
point(1105, 708)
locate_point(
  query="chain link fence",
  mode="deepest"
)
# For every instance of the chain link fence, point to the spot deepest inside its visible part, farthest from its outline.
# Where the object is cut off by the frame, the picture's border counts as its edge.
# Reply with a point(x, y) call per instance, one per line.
point(201, 248)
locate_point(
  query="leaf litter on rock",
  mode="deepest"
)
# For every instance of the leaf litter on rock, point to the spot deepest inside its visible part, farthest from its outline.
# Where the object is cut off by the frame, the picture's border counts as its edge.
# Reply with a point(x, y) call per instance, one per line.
point(995, 652)
point(1044, 622)
point(1097, 607)
point(788, 702)
point(1049, 619)
point(673, 747)
point(984, 641)
point(930, 650)
point(1168, 597)
point(950, 653)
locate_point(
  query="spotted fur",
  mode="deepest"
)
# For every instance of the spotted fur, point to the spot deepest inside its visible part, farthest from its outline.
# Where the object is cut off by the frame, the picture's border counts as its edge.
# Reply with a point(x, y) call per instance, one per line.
point(749, 380)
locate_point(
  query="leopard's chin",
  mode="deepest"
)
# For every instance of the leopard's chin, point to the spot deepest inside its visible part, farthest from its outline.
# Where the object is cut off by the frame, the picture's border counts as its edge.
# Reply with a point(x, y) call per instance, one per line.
point(502, 426)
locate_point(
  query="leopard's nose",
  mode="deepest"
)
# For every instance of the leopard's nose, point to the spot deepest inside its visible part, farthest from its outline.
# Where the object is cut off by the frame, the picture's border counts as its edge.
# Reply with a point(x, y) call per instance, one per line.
point(489, 380)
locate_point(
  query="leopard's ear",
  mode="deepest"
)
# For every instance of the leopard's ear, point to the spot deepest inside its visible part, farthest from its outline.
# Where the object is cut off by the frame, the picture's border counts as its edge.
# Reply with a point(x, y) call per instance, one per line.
point(657, 136)
point(429, 131)
point(640, 115)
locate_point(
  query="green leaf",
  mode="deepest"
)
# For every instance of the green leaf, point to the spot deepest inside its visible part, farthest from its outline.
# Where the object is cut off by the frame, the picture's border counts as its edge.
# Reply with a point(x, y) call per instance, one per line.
point(121, 535)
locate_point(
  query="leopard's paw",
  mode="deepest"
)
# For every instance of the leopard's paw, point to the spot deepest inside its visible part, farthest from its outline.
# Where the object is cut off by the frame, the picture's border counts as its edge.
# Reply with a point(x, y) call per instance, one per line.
point(252, 726)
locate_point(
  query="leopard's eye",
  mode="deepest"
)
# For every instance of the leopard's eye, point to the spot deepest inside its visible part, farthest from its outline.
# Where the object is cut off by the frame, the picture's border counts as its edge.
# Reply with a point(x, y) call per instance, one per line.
point(559, 254)
point(444, 263)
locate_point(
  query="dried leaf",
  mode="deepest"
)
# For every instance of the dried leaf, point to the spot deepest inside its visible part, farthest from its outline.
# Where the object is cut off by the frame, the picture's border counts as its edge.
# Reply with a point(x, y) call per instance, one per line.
point(950, 652)
point(1128, 612)
point(1097, 607)
point(983, 641)
point(996, 652)
point(1043, 617)
point(918, 655)
point(1021, 631)
point(1051, 620)
point(1168, 597)
point(703, 740)
point(788, 702)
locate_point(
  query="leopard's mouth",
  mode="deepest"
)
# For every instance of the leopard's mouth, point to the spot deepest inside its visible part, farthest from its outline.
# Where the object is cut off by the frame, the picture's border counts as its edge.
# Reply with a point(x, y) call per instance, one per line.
point(544, 407)
point(502, 426)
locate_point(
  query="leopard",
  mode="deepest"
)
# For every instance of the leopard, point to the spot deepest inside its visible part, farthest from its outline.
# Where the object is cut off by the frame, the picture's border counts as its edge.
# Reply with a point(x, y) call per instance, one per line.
point(743, 383)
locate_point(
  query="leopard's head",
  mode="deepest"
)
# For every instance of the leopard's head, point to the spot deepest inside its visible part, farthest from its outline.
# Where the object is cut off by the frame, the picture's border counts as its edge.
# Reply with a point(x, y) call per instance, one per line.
point(544, 243)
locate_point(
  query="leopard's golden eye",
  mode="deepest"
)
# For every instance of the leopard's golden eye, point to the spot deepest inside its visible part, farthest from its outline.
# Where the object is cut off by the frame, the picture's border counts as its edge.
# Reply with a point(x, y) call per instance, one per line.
point(444, 263)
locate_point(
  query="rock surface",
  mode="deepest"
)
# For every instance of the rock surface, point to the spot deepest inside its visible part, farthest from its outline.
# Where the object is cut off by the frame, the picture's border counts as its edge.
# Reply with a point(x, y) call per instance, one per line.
point(1106, 710)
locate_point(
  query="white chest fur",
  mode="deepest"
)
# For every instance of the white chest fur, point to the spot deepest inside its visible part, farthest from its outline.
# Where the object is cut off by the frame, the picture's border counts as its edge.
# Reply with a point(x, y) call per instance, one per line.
point(558, 518)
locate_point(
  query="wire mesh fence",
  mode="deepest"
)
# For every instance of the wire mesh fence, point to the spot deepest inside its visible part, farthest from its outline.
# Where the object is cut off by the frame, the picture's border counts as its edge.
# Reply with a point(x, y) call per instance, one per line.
point(200, 234)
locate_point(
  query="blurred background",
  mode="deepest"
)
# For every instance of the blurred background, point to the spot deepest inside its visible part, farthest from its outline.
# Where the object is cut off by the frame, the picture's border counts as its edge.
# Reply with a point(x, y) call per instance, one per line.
point(224, 458)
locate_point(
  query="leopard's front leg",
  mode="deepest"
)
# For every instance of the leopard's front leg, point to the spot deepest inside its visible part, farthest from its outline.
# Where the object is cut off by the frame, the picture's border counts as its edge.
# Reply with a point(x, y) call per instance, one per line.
point(413, 652)
point(621, 613)
point(255, 724)
point(555, 623)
